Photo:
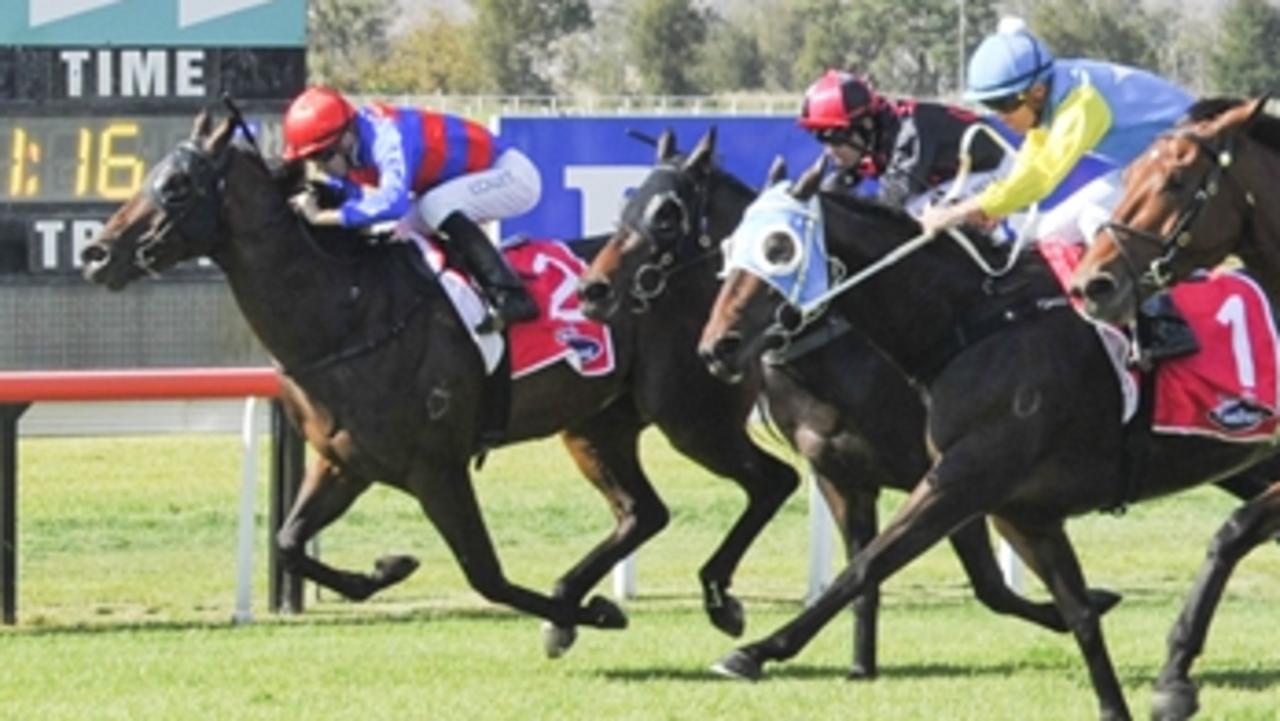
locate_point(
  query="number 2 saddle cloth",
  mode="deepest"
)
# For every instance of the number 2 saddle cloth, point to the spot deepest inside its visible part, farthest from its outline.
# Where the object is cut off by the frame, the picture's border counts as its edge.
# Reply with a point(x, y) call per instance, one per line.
point(550, 271)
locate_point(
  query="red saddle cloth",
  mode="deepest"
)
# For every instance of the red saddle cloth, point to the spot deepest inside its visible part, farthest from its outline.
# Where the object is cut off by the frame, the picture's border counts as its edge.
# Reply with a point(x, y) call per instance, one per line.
point(1229, 388)
point(550, 271)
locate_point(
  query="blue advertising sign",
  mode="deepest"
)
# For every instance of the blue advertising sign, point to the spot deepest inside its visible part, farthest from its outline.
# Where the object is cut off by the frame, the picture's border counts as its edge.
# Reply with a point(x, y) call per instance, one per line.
point(590, 164)
point(168, 23)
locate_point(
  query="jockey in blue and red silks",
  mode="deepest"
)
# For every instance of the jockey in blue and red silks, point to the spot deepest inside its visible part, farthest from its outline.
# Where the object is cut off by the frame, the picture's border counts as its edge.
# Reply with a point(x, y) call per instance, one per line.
point(440, 172)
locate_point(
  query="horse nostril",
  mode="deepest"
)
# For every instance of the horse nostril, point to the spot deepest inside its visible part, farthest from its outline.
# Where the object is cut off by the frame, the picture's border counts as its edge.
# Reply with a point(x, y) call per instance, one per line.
point(595, 291)
point(1099, 287)
point(725, 347)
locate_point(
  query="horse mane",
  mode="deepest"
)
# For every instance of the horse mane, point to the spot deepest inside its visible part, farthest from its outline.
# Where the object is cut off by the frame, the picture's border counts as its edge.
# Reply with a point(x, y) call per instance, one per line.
point(1265, 128)
point(869, 206)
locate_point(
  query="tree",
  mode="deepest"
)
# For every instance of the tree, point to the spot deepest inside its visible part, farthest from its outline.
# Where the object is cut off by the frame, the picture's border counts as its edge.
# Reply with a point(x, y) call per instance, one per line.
point(664, 45)
point(435, 54)
point(515, 39)
point(346, 39)
point(1246, 60)
point(1115, 30)
point(731, 59)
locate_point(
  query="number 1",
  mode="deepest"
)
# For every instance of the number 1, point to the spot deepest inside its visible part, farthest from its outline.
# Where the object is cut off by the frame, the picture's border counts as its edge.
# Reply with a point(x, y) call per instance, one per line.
point(1232, 314)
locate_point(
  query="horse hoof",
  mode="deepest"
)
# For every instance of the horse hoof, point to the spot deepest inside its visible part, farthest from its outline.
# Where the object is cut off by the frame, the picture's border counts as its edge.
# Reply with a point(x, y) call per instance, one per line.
point(1175, 701)
point(557, 639)
point(603, 613)
point(728, 616)
point(1102, 600)
point(738, 665)
point(390, 570)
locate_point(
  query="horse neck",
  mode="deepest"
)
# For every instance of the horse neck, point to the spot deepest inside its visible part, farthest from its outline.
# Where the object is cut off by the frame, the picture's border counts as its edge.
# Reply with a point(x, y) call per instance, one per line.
point(288, 292)
point(1261, 252)
point(908, 309)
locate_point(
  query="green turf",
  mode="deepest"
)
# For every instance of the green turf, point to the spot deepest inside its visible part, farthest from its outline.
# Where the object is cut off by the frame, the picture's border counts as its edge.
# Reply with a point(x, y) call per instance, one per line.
point(127, 577)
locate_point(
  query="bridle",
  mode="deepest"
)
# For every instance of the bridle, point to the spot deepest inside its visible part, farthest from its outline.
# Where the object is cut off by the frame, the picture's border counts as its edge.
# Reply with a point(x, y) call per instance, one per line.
point(1159, 273)
point(194, 215)
point(651, 278)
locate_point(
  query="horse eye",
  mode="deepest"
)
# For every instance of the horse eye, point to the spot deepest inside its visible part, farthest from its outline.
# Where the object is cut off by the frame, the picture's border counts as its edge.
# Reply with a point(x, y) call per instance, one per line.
point(175, 187)
point(1175, 184)
point(779, 249)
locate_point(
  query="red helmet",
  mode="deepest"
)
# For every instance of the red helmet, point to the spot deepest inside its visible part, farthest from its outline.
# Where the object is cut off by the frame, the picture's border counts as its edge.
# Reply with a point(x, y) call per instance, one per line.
point(314, 122)
point(836, 99)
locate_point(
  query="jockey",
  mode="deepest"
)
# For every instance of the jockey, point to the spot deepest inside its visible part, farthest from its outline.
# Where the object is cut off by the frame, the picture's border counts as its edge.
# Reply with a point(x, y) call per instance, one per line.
point(442, 173)
point(1065, 108)
point(908, 148)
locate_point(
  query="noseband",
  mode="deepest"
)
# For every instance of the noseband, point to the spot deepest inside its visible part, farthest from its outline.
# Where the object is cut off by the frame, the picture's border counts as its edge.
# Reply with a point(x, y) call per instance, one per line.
point(194, 215)
point(1159, 274)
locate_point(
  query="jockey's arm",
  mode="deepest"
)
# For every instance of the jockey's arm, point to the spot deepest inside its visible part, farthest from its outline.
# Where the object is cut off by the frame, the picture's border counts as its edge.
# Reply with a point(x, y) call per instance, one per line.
point(392, 197)
point(1045, 158)
point(908, 167)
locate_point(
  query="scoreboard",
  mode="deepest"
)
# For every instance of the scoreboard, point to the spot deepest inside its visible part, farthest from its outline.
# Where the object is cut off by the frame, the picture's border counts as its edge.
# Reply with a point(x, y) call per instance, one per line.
point(94, 92)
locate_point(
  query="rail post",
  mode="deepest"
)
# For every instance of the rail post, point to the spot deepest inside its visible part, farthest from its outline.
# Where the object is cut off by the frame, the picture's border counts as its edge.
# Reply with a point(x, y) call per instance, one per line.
point(288, 456)
point(9, 414)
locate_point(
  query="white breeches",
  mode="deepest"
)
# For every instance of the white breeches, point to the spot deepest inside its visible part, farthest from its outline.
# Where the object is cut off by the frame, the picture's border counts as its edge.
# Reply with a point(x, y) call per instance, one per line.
point(511, 187)
point(1077, 218)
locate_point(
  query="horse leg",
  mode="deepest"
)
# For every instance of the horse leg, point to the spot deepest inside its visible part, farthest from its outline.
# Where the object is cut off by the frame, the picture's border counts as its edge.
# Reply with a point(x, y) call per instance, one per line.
point(604, 448)
point(972, 544)
point(1249, 526)
point(856, 516)
point(932, 509)
point(326, 494)
point(447, 497)
point(1054, 560)
point(767, 482)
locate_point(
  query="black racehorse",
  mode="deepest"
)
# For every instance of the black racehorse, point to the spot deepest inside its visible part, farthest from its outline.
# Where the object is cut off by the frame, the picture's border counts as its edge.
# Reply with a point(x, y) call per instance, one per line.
point(386, 385)
point(1208, 188)
point(842, 405)
point(1024, 408)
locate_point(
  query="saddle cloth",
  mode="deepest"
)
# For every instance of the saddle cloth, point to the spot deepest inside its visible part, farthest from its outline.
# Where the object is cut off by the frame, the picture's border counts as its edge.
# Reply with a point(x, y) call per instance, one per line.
point(550, 271)
point(1230, 388)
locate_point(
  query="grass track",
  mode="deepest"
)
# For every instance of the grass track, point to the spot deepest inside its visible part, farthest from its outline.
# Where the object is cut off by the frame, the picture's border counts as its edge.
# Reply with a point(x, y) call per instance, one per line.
point(127, 547)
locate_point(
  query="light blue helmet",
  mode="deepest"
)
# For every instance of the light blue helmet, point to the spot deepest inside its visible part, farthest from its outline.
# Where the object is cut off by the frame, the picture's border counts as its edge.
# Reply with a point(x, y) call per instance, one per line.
point(1006, 63)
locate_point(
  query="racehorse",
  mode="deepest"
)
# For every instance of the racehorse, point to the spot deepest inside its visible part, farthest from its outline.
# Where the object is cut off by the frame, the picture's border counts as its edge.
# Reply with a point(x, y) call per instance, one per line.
point(1024, 408)
point(661, 265)
point(1203, 191)
point(386, 384)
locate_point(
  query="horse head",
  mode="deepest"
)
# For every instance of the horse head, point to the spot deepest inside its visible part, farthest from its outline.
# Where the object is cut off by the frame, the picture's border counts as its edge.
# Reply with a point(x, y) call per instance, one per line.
point(771, 256)
point(672, 221)
point(1188, 202)
point(176, 215)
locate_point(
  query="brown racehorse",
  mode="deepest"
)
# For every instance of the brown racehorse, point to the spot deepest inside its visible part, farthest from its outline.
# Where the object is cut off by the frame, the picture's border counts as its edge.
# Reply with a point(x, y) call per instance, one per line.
point(386, 385)
point(1024, 410)
point(1209, 188)
point(661, 265)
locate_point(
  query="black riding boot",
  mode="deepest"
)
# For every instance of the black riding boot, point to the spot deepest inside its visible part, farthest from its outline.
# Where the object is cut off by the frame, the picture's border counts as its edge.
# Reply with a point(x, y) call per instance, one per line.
point(1165, 333)
point(509, 300)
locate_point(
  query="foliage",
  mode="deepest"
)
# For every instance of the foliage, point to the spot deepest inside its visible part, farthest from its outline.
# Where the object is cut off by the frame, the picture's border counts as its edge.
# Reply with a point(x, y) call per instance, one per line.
point(513, 40)
point(1246, 60)
point(347, 40)
point(1114, 30)
point(732, 58)
point(435, 54)
point(664, 44)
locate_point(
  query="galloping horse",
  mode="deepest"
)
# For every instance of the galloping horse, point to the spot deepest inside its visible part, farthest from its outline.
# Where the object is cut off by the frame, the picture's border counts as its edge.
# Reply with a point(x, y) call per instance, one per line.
point(1209, 188)
point(662, 264)
point(386, 384)
point(1025, 412)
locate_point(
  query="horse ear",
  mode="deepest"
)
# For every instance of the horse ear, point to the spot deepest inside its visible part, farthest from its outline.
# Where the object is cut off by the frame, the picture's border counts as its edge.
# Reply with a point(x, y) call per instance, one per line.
point(809, 183)
point(777, 172)
point(202, 125)
point(666, 148)
point(703, 152)
point(1263, 106)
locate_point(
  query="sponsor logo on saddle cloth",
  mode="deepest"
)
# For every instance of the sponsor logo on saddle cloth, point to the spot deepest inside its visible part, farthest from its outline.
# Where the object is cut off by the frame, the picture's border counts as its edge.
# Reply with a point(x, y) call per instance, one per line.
point(795, 262)
point(561, 332)
point(1228, 390)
